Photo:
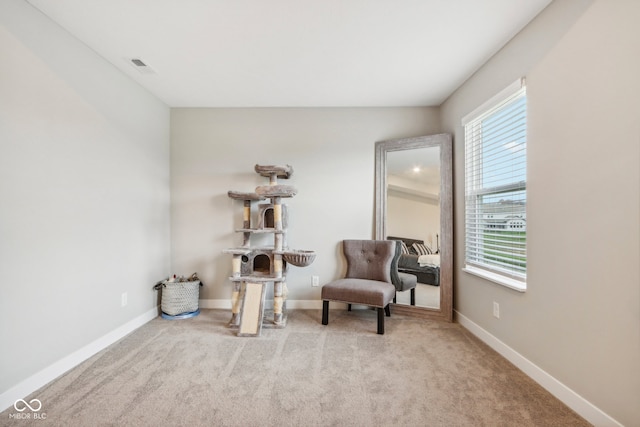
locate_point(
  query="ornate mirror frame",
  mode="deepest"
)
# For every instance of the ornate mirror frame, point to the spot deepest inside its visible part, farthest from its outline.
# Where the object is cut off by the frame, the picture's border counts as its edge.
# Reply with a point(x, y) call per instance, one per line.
point(443, 141)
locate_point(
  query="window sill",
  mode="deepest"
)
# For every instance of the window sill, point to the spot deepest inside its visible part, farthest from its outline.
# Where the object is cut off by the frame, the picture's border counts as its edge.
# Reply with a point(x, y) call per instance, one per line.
point(497, 278)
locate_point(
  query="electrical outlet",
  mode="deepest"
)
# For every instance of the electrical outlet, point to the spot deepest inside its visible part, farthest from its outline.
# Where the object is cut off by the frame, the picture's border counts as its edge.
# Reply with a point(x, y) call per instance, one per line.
point(123, 299)
point(315, 281)
point(496, 310)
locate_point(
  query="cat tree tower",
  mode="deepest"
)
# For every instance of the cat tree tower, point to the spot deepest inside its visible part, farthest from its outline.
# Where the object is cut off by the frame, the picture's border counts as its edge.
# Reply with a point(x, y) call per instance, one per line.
point(255, 267)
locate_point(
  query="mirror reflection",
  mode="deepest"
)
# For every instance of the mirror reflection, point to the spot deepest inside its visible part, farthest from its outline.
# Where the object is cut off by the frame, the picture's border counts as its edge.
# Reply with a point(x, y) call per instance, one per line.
point(413, 218)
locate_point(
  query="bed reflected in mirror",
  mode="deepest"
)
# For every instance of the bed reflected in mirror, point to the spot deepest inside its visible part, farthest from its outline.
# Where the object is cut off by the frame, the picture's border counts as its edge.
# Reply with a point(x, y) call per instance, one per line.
point(414, 207)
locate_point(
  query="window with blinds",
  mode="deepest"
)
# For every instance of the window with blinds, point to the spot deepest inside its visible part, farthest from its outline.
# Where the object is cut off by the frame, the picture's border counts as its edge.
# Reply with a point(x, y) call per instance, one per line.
point(496, 187)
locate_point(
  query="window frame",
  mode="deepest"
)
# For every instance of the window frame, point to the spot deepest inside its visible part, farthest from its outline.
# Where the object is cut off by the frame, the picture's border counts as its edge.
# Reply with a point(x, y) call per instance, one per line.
point(494, 274)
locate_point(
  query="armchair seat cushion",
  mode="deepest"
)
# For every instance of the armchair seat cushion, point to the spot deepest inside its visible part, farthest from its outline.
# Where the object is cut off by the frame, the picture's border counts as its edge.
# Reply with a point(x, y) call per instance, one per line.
point(359, 291)
point(407, 281)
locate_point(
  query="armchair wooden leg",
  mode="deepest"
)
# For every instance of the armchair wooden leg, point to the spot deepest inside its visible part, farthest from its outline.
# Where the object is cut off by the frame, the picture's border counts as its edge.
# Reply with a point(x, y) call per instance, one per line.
point(381, 320)
point(413, 296)
point(387, 310)
point(394, 297)
point(325, 312)
point(348, 307)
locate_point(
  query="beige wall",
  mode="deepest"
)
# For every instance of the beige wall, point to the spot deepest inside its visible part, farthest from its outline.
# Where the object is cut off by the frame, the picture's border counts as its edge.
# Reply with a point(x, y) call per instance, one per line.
point(412, 217)
point(84, 197)
point(579, 319)
point(332, 154)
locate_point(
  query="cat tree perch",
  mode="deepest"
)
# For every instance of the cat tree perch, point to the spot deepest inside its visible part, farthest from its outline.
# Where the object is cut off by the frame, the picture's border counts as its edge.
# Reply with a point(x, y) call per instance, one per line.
point(255, 267)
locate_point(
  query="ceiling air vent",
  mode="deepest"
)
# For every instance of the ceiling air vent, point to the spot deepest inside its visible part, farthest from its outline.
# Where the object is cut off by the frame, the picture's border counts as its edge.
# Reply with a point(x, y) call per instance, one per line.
point(139, 65)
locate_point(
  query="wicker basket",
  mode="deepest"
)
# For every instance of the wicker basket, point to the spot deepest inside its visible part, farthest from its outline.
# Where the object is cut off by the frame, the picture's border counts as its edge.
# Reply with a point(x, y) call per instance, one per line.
point(180, 297)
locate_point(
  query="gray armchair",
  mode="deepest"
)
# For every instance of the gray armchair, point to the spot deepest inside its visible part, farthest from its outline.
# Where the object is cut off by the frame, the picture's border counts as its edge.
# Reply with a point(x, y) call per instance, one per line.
point(368, 278)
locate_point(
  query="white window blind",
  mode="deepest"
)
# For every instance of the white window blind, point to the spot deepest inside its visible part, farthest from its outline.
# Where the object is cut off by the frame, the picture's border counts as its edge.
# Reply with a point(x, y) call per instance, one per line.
point(496, 186)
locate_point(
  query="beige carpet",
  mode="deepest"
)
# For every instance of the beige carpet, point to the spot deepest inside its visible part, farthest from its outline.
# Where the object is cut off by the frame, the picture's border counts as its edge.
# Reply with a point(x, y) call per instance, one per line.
point(196, 372)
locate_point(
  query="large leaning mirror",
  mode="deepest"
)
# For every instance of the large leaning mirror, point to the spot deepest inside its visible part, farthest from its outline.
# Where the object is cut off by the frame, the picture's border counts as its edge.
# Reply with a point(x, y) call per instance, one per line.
point(414, 204)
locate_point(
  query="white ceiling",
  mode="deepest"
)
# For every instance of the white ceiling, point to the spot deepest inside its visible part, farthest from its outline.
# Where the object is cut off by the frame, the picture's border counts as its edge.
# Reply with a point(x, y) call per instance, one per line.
point(403, 164)
point(296, 53)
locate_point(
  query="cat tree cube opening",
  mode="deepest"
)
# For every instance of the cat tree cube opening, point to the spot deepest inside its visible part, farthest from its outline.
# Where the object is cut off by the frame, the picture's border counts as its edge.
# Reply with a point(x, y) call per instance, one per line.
point(266, 216)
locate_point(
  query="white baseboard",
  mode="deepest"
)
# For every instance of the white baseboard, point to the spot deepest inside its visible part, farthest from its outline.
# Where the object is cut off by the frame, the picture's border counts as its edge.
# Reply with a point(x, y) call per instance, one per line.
point(34, 382)
point(291, 304)
point(215, 303)
point(569, 397)
point(302, 304)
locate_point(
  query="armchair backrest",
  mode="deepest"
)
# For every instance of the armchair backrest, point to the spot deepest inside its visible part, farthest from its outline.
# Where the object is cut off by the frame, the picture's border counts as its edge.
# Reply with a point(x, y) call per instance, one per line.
point(395, 274)
point(369, 259)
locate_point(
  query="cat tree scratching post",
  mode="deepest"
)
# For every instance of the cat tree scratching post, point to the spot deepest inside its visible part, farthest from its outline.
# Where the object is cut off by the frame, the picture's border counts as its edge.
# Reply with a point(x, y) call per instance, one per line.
point(253, 268)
